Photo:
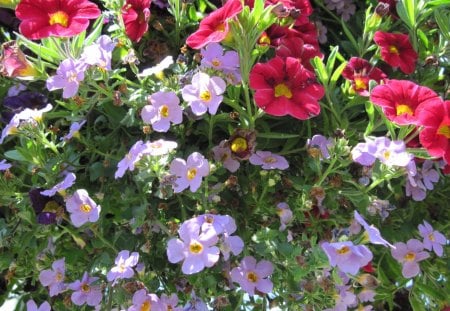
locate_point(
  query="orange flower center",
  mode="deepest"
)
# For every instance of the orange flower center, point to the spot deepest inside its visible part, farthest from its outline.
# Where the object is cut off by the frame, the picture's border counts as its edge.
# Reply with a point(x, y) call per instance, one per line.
point(264, 40)
point(146, 306)
point(60, 18)
point(360, 84)
point(216, 62)
point(252, 277)
point(220, 27)
point(164, 111)
point(239, 145)
point(343, 250)
point(393, 49)
point(195, 247)
point(404, 109)
point(431, 237)
point(386, 154)
point(410, 256)
point(85, 288)
point(205, 96)
point(85, 208)
point(191, 173)
point(270, 160)
point(59, 277)
point(282, 90)
point(444, 130)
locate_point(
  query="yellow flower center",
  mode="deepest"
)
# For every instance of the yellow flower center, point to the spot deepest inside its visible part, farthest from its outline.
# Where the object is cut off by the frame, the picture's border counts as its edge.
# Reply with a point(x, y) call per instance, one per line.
point(195, 247)
point(360, 84)
point(270, 160)
point(146, 306)
point(60, 18)
point(386, 154)
point(393, 49)
point(216, 62)
point(59, 277)
point(343, 250)
point(85, 208)
point(220, 27)
point(281, 89)
point(85, 288)
point(252, 277)
point(404, 109)
point(239, 144)
point(209, 219)
point(164, 111)
point(264, 40)
point(431, 237)
point(410, 256)
point(191, 173)
point(205, 96)
point(444, 130)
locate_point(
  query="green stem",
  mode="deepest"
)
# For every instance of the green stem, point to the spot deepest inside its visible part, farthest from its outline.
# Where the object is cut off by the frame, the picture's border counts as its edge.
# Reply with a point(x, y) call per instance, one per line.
point(327, 171)
point(101, 238)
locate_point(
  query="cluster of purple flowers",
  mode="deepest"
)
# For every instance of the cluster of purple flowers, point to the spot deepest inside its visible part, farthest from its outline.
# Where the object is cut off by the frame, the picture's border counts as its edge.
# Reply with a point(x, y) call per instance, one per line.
point(419, 181)
point(226, 62)
point(201, 241)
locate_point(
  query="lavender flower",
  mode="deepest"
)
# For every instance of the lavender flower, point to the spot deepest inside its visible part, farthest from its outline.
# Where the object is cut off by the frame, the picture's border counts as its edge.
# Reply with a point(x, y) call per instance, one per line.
point(347, 256)
point(322, 143)
point(159, 147)
point(68, 77)
point(54, 278)
point(230, 244)
point(4, 166)
point(189, 173)
point(409, 255)
point(345, 298)
point(213, 56)
point(252, 275)
point(196, 249)
point(195, 304)
point(222, 153)
point(372, 232)
point(432, 239)
point(100, 53)
point(344, 8)
point(269, 160)
point(82, 208)
point(145, 301)
point(419, 181)
point(68, 181)
point(74, 130)
point(128, 162)
point(285, 214)
point(164, 109)
point(388, 152)
point(32, 306)
point(169, 302)
point(124, 266)
point(85, 292)
point(204, 94)
point(366, 295)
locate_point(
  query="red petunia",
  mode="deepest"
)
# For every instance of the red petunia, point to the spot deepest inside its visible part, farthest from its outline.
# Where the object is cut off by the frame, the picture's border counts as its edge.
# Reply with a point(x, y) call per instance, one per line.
point(136, 14)
point(396, 50)
point(400, 98)
point(435, 135)
point(55, 18)
point(359, 71)
point(284, 86)
point(294, 47)
point(214, 27)
point(307, 32)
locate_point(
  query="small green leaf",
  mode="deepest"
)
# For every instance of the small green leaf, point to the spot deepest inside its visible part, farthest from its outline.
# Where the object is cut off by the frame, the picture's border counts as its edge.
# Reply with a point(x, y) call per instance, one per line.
point(331, 60)
point(320, 70)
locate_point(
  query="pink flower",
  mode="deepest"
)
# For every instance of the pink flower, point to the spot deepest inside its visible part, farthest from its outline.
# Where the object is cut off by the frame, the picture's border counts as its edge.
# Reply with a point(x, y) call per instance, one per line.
point(136, 14)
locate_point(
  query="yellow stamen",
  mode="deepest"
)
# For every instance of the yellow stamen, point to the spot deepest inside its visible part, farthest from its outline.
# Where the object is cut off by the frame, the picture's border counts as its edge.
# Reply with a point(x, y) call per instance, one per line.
point(360, 84)
point(444, 130)
point(270, 160)
point(205, 96)
point(195, 247)
point(146, 306)
point(410, 256)
point(431, 237)
point(343, 250)
point(51, 206)
point(239, 145)
point(386, 154)
point(85, 288)
point(216, 62)
point(85, 208)
point(220, 27)
point(60, 18)
point(393, 49)
point(404, 109)
point(252, 277)
point(164, 111)
point(59, 277)
point(191, 173)
point(282, 90)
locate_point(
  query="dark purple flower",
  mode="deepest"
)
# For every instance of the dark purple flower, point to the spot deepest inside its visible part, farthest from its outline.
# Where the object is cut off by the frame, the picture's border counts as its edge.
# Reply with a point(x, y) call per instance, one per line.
point(432, 239)
point(85, 292)
point(48, 209)
point(124, 266)
point(252, 275)
point(54, 278)
point(22, 100)
point(82, 208)
point(409, 255)
point(347, 256)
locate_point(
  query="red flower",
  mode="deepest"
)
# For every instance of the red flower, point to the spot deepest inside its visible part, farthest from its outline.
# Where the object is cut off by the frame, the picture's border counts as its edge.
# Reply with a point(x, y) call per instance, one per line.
point(307, 32)
point(369, 268)
point(294, 47)
point(400, 98)
point(435, 135)
point(214, 27)
point(359, 71)
point(284, 86)
point(136, 14)
point(57, 18)
point(396, 50)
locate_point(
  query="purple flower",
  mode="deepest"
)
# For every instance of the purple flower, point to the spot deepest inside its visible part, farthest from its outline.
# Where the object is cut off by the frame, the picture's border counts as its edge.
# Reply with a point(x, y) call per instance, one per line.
point(189, 173)
point(54, 278)
point(285, 214)
point(195, 304)
point(372, 232)
point(74, 130)
point(68, 77)
point(85, 292)
point(82, 208)
point(16, 89)
point(159, 147)
point(218, 223)
point(169, 303)
point(204, 94)
point(268, 160)
point(100, 53)
point(142, 300)
point(164, 109)
point(346, 298)
point(32, 306)
point(196, 249)
point(213, 56)
point(432, 239)
point(322, 143)
point(48, 209)
point(230, 244)
point(347, 256)
point(409, 255)
point(252, 275)
point(222, 153)
point(68, 181)
point(388, 152)
point(4, 166)
point(128, 162)
point(124, 266)
point(366, 295)
point(18, 102)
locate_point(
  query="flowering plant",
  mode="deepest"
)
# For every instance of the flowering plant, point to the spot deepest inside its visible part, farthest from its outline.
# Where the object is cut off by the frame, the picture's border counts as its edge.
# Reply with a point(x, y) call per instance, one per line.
point(235, 155)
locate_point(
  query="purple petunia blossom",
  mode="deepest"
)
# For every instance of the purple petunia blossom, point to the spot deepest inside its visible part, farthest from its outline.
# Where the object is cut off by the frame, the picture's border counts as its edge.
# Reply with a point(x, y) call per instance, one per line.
point(82, 208)
point(124, 266)
point(32, 306)
point(68, 77)
point(169, 302)
point(142, 300)
point(347, 256)
point(252, 275)
point(285, 214)
point(382, 148)
point(222, 153)
point(100, 53)
point(432, 239)
point(409, 255)
point(322, 143)
point(4, 166)
point(196, 249)
point(204, 94)
point(74, 130)
point(85, 292)
point(68, 181)
point(372, 232)
point(189, 173)
point(54, 278)
point(130, 159)
point(269, 160)
point(164, 109)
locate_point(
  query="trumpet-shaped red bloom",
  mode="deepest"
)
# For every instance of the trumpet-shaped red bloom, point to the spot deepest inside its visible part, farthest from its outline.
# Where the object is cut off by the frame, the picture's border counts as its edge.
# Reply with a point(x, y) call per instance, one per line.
point(359, 71)
point(396, 50)
point(136, 14)
point(400, 98)
point(295, 47)
point(55, 18)
point(435, 136)
point(284, 86)
point(214, 27)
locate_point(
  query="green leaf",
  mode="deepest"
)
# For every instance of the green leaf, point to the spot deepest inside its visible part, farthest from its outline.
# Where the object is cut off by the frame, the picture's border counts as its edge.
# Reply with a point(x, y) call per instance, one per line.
point(337, 74)
point(416, 303)
point(43, 52)
point(370, 109)
point(276, 135)
point(406, 10)
point(434, 3)
point(442, 18)
point(331, 60)
point(96, 31)
point(320, 70)
point(349, 35)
